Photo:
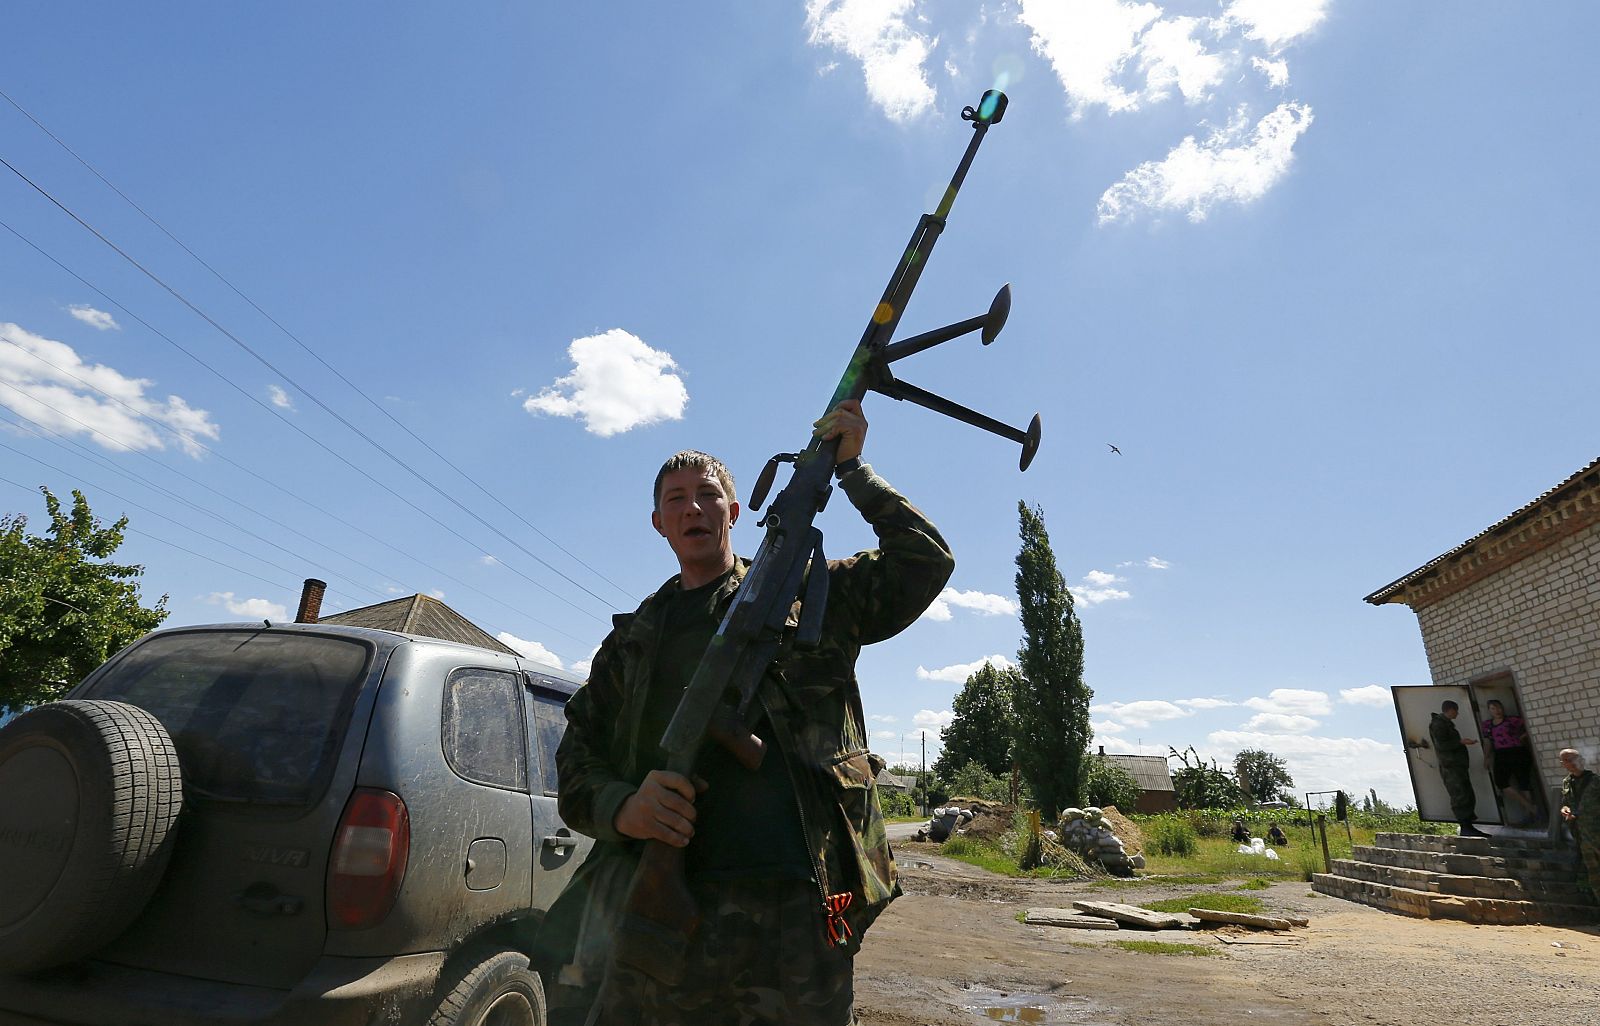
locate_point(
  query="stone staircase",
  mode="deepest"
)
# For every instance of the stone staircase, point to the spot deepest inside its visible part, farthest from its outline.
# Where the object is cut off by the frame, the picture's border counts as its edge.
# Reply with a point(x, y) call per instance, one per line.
point(1477, 879)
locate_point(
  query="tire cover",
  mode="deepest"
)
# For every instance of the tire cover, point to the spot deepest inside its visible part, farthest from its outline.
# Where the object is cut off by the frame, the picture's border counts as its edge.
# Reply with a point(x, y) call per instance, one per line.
point(89, 795)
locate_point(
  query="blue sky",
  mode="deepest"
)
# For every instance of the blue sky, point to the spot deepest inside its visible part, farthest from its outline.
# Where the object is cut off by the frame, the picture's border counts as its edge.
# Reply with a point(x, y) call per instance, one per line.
point(1322, 270)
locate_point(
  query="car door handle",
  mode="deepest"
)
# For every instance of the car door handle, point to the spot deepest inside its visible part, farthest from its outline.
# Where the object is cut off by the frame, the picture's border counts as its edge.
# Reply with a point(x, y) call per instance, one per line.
point(559, 842)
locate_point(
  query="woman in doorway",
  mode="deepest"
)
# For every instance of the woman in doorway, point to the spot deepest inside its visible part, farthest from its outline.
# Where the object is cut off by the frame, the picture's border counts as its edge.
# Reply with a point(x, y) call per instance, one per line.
point(1510, 761)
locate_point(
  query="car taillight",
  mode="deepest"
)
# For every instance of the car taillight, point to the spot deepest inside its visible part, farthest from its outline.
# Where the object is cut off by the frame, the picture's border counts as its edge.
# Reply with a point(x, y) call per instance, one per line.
point(369, 859)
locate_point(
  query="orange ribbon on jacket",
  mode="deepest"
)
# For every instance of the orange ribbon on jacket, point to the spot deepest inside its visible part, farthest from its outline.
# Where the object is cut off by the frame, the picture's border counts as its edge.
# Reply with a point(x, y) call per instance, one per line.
point(838, 930)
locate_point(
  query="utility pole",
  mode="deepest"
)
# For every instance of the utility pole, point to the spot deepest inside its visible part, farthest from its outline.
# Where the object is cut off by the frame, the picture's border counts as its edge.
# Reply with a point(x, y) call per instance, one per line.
point(924, 772)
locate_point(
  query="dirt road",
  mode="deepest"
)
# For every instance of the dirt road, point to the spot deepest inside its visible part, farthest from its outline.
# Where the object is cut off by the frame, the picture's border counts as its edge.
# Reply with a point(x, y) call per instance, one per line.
point(952, 952)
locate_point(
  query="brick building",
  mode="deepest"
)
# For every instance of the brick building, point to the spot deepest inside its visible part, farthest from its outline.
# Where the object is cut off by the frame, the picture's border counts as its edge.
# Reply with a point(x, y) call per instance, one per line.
point(1516, 609)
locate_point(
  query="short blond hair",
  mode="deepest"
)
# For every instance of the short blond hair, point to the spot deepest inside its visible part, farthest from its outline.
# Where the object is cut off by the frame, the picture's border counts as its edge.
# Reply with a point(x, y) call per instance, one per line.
point(694, 459)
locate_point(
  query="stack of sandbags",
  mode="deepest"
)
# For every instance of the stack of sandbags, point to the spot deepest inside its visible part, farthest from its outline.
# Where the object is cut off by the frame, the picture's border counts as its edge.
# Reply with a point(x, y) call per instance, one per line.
point(1127, 830)
point(1085, 831)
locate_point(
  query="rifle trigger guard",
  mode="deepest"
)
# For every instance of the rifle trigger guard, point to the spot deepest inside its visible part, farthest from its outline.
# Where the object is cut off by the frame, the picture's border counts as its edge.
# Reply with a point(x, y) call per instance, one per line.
point(815, 604)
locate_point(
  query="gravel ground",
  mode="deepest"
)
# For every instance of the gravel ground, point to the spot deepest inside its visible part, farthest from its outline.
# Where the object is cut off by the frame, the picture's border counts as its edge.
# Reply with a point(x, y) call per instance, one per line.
point(952, 952)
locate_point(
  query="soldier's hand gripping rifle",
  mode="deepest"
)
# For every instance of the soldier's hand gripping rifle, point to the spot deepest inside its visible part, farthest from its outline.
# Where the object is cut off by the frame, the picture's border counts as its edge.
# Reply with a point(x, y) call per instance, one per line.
point(661, 914)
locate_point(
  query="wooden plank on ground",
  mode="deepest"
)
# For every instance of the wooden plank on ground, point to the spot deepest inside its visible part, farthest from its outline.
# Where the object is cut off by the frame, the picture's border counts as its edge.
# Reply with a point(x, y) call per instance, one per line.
point(1068, 918)
point(1211, 915)
point(1129, 914)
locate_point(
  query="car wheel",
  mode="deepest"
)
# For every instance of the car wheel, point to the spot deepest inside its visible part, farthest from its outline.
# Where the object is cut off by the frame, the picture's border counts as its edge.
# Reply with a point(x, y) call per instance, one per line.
point(494, 988)
point(89, 794)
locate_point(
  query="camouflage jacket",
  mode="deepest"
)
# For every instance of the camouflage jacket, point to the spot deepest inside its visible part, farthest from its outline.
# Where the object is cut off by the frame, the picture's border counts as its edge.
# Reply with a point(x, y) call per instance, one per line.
point(1447, 743)
point(811, 698)
point(1582, 795)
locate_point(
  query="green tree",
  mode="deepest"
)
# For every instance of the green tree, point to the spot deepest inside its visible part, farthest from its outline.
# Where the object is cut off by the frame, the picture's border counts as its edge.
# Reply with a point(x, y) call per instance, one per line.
point(1201, 786)
point(1107, 784)
point(974, 781)
point(1262, 776)
point(1051, 707)
point(64, 607)
point(981, 729)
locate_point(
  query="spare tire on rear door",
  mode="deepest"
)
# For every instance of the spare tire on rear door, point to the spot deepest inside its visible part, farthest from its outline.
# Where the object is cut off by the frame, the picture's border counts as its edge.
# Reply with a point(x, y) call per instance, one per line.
point(89, 794)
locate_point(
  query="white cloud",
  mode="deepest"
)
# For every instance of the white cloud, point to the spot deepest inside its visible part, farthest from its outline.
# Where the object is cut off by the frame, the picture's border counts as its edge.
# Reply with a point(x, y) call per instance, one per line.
point(885, 735)
point(932, 720)
point(488, 560)
point(1173, 58)
point(1106, 727)
point(1205, 703)
point(882, 719)
point(892, 54)
point(251, 608)
point(1292, 702)
point(583, 666)
point(1234, 165)
point(1141, 714)
point(1097, 589)
point(980, 602)
point(1324, 763)
point(96, 319)
point(1280, 723)
point(1118, 745)
point(436, 593)
point(1277, 72)
point(279, 397)
point(1276, 23)
point(617, 383)
point(52, 386)
point(1150, 563)
point(529, 649)
point(1372, 694)
point(958, 673)
point(1090, 44)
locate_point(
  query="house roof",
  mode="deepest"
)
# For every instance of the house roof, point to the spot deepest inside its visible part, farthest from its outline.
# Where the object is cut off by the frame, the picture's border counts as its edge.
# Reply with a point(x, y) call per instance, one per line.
point(1150, 771)
point(1560, 512)
point(420, 614)
point(887, 779)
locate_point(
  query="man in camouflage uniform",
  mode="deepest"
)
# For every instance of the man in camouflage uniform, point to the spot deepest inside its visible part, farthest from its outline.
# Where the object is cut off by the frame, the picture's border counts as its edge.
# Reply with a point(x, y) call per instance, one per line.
point(789, 864)
point(1454, 767)
point(1580, 808)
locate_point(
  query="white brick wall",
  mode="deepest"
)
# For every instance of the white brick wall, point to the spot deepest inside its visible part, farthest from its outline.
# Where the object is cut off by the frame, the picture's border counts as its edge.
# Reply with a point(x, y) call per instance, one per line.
point(1538, 619)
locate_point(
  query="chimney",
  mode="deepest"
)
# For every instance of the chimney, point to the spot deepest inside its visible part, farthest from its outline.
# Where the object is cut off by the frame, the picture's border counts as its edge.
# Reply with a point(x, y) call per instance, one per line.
point(311, 601)
point(1102, 747)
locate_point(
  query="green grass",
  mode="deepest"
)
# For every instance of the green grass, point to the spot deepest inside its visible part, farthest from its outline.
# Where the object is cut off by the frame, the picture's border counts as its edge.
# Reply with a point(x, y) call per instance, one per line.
point(1256, 884)
point(1177, 880)
point(1217, 902)
point(1164, 948)
point(985, 855)
point(1218, 857)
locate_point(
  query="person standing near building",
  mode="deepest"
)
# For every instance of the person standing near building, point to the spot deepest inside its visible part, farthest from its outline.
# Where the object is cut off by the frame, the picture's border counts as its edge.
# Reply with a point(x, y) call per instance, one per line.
point(1580, 809)
point(1510, 762)
point(1455, 767)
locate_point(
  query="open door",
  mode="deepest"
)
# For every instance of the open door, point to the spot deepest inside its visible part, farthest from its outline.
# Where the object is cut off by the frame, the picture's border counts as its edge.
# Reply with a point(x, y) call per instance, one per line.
point(1415, 706)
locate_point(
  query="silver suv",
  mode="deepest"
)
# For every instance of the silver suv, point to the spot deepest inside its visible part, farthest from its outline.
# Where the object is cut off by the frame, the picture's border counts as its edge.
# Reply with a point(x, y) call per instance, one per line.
point(284, 824)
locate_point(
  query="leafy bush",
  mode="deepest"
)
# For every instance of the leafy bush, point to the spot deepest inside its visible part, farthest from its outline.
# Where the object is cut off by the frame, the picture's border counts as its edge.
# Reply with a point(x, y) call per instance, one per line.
point(1173, 836)
point(896, 804)
point(974, 781)
point(1107, 784)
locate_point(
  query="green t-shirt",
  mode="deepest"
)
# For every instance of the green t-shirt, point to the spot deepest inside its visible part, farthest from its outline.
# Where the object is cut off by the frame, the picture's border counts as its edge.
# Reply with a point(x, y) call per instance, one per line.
point(747, 825)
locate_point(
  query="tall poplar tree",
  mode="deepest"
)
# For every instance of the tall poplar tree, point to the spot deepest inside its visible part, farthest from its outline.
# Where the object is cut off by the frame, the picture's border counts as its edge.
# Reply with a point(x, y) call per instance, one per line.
point(1052, 705)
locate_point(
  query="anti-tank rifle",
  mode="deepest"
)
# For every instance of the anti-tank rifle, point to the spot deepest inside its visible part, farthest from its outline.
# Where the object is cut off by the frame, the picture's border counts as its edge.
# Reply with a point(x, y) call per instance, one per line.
point(661, 914)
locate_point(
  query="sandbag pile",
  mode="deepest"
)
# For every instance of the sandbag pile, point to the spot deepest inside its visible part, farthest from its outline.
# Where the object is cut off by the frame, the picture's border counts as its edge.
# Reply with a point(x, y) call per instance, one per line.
point(1086, 832)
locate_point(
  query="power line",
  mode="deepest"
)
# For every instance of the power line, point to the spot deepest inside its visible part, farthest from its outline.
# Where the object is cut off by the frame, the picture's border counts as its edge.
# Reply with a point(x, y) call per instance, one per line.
point(297, 341)
point(138, 479)
point(146, 534)
point(189, 439)
point(236, 340)
point(278, 414)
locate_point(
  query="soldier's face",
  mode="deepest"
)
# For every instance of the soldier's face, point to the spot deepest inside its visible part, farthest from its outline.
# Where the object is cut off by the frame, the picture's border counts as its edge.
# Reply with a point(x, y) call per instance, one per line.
point(696, 518)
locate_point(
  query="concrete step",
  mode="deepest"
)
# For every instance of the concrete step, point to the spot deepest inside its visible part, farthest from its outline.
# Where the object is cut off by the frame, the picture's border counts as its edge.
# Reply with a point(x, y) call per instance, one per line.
point(1430, 905)
point(1552, 869)
point(1503, 846)
point(1502, 888)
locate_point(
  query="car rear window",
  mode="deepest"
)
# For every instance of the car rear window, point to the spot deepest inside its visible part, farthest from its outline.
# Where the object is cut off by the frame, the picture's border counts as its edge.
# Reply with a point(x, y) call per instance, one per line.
point(255, 715)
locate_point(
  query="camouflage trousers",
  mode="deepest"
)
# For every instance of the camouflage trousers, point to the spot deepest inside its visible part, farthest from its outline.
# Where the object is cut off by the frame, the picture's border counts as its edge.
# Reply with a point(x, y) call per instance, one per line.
point(759, 957)
point(1591, 863)
point(1463, 800)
